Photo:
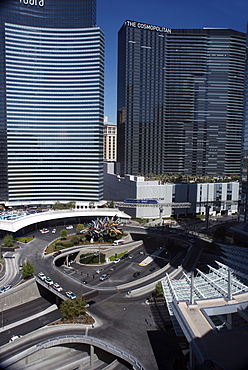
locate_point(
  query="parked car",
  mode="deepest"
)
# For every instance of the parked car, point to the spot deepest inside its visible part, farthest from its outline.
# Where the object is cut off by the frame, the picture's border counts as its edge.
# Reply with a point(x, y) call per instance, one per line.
point(117, 260)
point(41, 276)
point(57, 287)
point(54, 231)
point(69, 227)
point(70, 294)
point(136, 274)
point(104, 277)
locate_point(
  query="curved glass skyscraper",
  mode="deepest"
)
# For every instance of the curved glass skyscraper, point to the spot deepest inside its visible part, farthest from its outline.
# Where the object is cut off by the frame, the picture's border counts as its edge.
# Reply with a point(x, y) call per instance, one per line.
point(51, 99)
point(180, 100)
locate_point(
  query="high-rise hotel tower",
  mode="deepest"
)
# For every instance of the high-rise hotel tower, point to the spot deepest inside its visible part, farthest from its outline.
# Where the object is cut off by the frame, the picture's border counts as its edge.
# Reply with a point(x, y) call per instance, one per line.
point(51, 101)
point(180, 100)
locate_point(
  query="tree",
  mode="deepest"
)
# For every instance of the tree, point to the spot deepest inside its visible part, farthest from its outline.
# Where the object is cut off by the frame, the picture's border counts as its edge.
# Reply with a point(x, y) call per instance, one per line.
point(67, 309)
point(159, 289)
point(72, 309)
point(79, 228)
point(83, 239)
point(8, 241)
point(80, 307)
point(27, 269)
point(58, 205)
point(63, 234)
point(112, 204)
point(71, 205)
point(75, 240)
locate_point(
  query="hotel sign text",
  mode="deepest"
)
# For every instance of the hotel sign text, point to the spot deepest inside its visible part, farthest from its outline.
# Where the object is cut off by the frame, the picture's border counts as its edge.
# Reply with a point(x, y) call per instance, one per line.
point(33, 2)
point(146, 26)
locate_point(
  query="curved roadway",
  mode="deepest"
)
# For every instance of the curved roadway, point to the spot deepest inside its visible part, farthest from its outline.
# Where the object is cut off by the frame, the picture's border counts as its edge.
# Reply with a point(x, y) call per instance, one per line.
point(121, 319)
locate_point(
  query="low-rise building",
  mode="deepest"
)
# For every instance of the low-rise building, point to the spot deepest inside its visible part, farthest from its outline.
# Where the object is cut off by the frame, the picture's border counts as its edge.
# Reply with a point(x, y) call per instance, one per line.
point(170, 199)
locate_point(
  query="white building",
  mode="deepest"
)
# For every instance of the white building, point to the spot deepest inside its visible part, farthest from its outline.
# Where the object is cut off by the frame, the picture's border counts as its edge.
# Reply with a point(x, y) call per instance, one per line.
point(110, 141)
point(192, 198)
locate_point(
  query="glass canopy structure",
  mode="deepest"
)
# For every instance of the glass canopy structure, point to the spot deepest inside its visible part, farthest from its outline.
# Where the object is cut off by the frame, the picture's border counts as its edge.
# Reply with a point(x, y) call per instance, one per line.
point(225, 281)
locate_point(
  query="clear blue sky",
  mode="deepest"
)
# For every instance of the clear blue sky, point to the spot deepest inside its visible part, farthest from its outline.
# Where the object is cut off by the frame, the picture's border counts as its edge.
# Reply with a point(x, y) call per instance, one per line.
point(111, 14)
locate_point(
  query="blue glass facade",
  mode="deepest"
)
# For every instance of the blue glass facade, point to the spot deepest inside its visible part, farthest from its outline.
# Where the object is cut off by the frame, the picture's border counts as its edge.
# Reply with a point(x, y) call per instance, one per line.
point(180, 100)
point(243, 206)
point(52, 70)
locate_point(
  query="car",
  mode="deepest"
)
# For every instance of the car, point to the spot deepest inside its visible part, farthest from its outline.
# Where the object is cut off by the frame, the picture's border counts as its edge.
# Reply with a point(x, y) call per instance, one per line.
point(57, 253)
point(69, 227)
point(70, 294)
point(57, 287)
point(125, 255)
point(136, 274)
point(14, 337)
point(5, 288)
point(117, 260)
point(54, 231)
point(44, 231)
point(99, 270)
point(41, 276)
point(104, 277)
point(152, 268)
point(90, 303)
point(130, 256)
point(84, 282)
point(141, 252)
point(112, 268)
point(49, 281)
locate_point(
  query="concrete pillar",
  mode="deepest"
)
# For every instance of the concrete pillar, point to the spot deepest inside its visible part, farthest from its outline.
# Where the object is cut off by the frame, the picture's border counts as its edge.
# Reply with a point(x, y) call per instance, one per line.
point(91, 355)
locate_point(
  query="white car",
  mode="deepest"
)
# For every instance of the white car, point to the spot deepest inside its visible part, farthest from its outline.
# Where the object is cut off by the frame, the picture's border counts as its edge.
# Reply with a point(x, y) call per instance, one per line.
point(54, 231)
point(104, 277)
point(99, 270)
point(44, 231)
point(69, 227)
point(70, 294)
point(41, 276)
point(49, 281)
point(14, 337)
point(57, 287)
point(117, 260)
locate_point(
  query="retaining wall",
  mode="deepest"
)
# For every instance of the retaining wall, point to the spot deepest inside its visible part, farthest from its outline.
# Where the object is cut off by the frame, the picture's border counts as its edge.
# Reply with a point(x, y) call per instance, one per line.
point(22, 293)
